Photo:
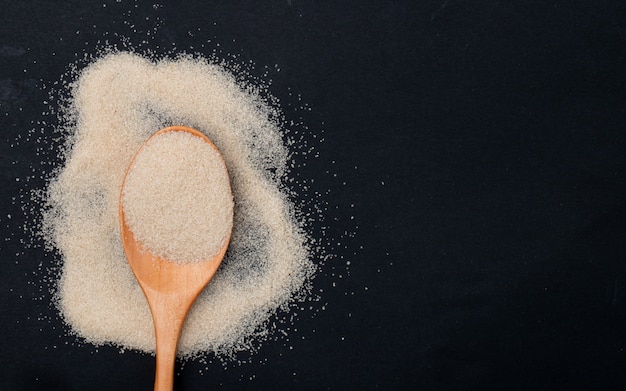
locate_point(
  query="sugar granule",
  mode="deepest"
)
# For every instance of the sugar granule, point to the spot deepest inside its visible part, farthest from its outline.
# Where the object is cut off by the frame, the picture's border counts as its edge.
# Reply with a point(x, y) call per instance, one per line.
point(177, 199)
point(116, 103)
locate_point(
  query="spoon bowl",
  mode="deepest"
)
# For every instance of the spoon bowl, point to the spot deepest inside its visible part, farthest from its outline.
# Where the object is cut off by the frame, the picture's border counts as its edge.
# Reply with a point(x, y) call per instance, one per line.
point(170, 287)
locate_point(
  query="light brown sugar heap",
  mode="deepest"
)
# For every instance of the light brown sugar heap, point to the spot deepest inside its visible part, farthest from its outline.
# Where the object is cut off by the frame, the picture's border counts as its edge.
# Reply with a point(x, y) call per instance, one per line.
point(177, 198)
point(117, 103)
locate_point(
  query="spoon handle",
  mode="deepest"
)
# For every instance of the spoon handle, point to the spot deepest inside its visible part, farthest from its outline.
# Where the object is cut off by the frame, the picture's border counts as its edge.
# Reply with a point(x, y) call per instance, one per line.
point(168, 316)
point(165, 362)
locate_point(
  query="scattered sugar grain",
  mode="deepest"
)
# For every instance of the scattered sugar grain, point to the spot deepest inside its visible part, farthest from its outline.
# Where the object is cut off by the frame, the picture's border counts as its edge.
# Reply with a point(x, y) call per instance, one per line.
point(117, 103)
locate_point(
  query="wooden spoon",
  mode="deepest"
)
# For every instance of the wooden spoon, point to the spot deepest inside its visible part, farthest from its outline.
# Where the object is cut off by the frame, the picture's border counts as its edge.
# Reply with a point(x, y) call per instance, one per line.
point(170, 287)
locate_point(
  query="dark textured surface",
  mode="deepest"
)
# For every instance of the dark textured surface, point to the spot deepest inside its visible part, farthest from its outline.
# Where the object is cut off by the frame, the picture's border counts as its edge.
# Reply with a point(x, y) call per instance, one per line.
point(483, 152)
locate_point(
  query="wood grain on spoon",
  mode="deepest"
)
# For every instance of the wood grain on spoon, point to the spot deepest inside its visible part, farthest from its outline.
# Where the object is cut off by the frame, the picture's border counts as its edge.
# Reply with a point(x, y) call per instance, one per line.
point(170, 287)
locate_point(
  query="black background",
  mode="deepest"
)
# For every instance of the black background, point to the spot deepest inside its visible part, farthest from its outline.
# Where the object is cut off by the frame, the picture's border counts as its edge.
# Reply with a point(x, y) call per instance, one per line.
point(475, 148)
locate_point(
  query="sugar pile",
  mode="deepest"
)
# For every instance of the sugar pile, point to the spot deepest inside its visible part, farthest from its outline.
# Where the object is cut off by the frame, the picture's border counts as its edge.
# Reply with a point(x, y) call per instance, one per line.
point(177, 199)
point(117, 102)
